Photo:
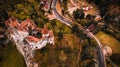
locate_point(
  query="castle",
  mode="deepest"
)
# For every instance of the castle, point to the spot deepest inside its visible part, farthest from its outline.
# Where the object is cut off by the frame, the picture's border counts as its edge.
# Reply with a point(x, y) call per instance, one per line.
point(28, 37)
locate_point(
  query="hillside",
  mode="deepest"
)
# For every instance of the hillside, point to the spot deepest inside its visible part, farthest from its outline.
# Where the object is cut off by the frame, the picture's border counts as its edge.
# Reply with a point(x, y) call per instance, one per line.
point(73, 47)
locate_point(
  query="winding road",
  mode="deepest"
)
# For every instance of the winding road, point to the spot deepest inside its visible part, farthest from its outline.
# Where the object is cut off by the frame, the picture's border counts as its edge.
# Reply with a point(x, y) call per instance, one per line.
point(69, 23)
point(58, 16)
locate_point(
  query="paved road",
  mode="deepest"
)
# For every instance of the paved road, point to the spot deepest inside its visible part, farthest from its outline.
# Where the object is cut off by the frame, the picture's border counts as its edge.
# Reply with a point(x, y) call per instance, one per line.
point(59, 17)
point(101, 57)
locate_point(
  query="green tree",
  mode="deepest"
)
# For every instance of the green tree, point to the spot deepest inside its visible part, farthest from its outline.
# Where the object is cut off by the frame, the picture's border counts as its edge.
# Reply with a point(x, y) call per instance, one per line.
point(93, 43)
point(75, 29)
point(29, 9)
point(78, 14)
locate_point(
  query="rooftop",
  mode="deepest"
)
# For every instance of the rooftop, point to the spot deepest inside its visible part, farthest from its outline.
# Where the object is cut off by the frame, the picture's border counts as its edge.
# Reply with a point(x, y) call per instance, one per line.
point(35, 34)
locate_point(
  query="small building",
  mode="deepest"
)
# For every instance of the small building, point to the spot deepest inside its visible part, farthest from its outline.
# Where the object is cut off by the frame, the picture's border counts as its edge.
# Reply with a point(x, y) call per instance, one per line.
point(46, 4)
point(91, 27)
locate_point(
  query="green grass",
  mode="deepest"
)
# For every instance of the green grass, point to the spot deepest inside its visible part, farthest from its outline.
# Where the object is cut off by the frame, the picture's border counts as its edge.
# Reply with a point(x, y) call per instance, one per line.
point(110, 41)
point(12, 58)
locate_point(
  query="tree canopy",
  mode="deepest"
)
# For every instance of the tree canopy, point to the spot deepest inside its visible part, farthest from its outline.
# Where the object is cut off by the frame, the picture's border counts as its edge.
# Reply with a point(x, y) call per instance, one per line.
point(78, 14)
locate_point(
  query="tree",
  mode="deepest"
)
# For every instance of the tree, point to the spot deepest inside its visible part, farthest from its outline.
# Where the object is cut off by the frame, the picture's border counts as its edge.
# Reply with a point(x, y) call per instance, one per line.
point(115, 58)
point(93, 42)
point(62, 56)
point(5, 7)
point(60, 35)
point(64, 4)
point(83, 22)
point(78, 14)
point(90, 17)
point(75, 29)
point(87, 52)
point(94, 1)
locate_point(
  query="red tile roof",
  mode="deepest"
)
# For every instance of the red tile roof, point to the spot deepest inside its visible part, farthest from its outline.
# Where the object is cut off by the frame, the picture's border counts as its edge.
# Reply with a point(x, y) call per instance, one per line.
point(26, 25)
point(32, 39)
point(91, 27)
point(13, 22)
point(45, 30)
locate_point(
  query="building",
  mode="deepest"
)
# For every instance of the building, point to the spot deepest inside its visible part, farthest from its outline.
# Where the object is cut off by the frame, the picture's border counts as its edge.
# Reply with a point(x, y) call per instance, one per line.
point(28, 37)
point(46, 4)
point(91, 27)
point(28, 31)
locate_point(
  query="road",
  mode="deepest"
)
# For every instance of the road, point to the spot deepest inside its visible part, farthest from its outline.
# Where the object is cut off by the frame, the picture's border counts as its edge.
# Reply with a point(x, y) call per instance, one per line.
point(73, 3)
point(101, 57)
point(58, 16)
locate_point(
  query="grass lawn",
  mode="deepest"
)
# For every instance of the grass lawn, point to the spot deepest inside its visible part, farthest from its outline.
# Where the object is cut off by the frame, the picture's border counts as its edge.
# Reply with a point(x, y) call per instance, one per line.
point(12, 58)
point(110, 41)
